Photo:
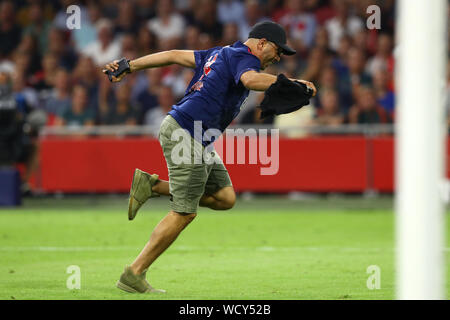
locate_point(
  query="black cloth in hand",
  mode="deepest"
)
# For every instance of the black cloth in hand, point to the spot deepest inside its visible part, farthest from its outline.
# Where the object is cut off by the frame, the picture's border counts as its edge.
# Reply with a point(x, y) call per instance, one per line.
point(284, 96)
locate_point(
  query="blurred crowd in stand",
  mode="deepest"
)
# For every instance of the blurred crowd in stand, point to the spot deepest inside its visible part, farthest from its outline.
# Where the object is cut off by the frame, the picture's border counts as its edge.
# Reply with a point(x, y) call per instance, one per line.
point(55, 71)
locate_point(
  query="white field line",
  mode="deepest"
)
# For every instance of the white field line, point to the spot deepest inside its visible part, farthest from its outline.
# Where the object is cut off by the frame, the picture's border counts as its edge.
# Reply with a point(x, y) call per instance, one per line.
point(194, 248)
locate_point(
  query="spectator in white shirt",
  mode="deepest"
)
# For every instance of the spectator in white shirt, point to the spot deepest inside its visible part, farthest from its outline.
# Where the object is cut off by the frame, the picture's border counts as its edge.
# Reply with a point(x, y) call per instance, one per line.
point(105, 49)
point(300, 24)
point(167, 25)
point(342, 24)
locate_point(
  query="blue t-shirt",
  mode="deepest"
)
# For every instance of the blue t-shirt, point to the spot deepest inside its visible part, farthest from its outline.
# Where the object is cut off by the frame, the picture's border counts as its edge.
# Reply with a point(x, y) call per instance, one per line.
point(215, 94)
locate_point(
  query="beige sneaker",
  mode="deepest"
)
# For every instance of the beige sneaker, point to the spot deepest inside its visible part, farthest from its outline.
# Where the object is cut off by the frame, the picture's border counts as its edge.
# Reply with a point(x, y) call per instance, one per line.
point(141, 190)
point(132, 283)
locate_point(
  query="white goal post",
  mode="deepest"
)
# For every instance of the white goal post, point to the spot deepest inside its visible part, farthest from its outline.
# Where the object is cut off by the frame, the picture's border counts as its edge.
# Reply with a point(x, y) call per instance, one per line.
point(421, 56)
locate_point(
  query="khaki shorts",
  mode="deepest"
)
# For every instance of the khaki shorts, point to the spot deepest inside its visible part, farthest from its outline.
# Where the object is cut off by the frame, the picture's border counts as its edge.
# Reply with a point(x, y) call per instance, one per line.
point(193, 170)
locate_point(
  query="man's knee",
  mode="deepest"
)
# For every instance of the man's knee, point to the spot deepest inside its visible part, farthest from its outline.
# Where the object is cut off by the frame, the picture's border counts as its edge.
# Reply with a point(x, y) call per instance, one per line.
point(229, 199)
point(229, 204)
point(187, 217)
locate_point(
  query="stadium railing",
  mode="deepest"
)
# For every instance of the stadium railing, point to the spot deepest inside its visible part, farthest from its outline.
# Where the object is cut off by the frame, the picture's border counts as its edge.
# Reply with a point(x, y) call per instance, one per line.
point(298, 131)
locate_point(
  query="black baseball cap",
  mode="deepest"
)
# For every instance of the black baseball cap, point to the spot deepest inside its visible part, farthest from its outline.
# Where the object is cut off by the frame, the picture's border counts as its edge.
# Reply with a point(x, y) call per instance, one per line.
point(273, 32)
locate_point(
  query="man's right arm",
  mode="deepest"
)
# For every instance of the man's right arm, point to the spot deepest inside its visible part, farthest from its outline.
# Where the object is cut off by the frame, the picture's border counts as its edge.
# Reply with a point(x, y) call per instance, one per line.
point(183, 58)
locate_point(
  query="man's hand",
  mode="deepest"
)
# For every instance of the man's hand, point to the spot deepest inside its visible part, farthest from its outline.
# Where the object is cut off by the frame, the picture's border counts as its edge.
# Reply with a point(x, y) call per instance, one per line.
point(113, 66)
point(308, 84)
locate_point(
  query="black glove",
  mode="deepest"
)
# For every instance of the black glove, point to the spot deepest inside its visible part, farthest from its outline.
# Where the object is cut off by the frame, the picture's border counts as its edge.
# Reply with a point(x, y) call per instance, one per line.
point(124, 66)
point(284, 96)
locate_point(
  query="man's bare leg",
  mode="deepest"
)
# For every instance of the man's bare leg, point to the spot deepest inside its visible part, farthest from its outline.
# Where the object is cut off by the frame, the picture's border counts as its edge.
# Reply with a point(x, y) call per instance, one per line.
point(223, 199)
point(161, 238)
point(161, 187)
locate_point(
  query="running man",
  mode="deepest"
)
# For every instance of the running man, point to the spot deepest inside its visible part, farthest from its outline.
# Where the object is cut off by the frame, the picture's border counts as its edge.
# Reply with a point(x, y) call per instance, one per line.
point(222, 80)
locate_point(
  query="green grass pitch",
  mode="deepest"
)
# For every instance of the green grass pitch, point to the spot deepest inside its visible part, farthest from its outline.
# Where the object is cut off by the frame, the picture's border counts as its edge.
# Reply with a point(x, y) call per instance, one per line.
point(266, 248)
